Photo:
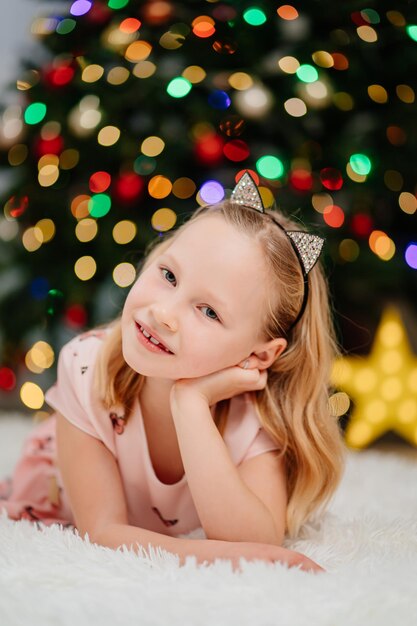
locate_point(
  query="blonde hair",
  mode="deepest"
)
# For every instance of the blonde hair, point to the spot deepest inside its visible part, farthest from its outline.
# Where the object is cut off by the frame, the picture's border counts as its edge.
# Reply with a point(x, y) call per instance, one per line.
point(294, 406)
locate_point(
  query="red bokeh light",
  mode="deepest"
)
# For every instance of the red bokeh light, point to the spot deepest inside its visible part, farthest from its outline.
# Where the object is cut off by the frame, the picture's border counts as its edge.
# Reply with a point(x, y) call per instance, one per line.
point(209, 149)
point(340, 62)
point(99, 182)
point(130, 25)
point(76, 316)
point(59, 76)
point(361, 224)
point(333, 216)
point(16, 206)
point(301, 180)
point(49, 146)
point(236, 150)
point(128, 187)
point(251, 172)
point(7, 379)
point(331, 178)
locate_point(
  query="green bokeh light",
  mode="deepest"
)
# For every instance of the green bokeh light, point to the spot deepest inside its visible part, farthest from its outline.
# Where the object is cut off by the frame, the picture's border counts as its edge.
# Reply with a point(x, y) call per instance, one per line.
point(65, 26)
point(35, 113)
point(99, 205)
point(412, 31)
point(360, 164)
point(307, 73)
point(371, 15)
point(270, 167)
point(179, 87)
point(144, 165)
point(117, 4)
point(254, 16)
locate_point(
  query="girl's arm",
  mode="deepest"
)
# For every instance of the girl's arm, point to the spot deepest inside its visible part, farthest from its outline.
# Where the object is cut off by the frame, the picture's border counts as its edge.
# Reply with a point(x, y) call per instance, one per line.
point(95, 491)
point(227, 508)
point(94, 486)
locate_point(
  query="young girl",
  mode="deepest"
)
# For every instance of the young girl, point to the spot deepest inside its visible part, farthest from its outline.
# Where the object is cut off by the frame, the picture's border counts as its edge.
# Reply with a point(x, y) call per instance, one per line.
point(204, 405)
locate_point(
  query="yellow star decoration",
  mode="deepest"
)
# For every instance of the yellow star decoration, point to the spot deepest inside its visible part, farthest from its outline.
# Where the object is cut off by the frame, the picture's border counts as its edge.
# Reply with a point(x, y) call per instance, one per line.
point(383, 385)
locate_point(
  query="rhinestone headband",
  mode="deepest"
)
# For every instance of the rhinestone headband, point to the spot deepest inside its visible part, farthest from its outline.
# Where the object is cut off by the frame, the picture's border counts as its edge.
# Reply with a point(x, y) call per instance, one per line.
point(306, 246)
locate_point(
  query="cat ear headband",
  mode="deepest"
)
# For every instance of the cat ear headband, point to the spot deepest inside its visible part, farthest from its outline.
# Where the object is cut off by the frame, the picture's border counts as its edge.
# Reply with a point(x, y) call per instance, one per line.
point(306, 246)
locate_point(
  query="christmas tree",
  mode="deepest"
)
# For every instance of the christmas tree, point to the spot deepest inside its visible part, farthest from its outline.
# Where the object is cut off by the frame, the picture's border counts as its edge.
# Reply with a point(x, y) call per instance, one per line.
point(135, 112)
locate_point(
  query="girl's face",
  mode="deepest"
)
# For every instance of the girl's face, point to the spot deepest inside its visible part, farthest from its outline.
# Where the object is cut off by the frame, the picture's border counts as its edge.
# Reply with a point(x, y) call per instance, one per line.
point(204, 297)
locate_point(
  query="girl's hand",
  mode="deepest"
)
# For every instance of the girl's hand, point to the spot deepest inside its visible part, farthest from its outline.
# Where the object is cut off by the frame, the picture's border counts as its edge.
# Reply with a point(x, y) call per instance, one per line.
point(209, 550)
point(223, 384)
point(270, 553)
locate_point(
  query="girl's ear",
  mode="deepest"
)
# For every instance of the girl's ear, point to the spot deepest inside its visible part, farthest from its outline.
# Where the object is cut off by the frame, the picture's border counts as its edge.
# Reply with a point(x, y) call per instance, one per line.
point(267, 353)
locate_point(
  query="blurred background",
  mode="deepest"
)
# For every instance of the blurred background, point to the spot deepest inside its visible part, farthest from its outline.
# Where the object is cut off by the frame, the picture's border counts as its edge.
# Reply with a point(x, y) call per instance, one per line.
point(119, 117)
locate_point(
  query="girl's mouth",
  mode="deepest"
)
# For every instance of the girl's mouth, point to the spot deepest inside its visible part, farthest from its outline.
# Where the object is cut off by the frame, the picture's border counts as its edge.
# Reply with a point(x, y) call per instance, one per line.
point(150, 342)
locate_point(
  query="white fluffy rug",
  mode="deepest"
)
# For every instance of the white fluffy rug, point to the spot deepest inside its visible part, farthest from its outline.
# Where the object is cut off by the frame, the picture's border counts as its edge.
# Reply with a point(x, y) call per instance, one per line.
point(367, 541)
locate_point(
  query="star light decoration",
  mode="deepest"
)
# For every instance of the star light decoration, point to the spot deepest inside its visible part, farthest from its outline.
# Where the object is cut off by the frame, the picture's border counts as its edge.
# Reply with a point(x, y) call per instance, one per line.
point(382, 385)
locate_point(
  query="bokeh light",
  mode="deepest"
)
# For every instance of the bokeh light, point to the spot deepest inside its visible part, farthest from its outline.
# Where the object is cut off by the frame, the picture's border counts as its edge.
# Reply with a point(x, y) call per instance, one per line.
point(334, 216)
point(138, 51)
point(86, 229)
point(31, 395)
point(408, 202)
point(108, 136)
point(117, 4)
point(270, 166)
point(411, 31)
point(99, 182)
point(124, 232)
point(331, 178)
point(163, 219)
point(219, 99)
point(183, 188)
point(99, 205)
point(348, 250)
point(254, 16)
point(289, 64)
point(7, 379)
point(40, 357)
point(124, 274)
point(80, 7)
point(179, 87)
point(152, 146)
point(35, 113)
point(381, 245)
point(211, 192)
point(360, 163)
point(85, 267)
point(194, 74)
point(295, 107)
point(236, 150)
point(287, 12)
point(411, 255)
point(159, 187)
point(307, 73)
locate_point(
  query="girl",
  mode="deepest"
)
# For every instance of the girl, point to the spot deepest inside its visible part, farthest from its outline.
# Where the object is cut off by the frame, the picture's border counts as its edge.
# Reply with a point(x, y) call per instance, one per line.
point(204, 405)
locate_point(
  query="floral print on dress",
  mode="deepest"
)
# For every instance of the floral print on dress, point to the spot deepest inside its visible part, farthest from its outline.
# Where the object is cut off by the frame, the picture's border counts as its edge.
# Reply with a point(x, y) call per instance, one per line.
point(118, 422)
point(99, 334)
point(166, 522)
point(45, 444)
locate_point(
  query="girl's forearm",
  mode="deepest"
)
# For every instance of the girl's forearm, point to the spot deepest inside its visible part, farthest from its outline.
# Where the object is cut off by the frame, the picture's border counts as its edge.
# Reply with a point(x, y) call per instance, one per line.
point(116, 535)
point(227, 508)
point(204, 550)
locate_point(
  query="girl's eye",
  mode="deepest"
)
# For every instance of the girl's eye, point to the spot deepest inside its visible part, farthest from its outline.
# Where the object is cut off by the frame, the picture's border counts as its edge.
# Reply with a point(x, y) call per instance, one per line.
point(203, 307)
point(210, 309)
point(165, 269)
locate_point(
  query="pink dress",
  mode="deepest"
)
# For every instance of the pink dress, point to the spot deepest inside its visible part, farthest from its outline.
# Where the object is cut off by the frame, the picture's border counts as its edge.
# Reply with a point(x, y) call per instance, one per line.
point(35, 490)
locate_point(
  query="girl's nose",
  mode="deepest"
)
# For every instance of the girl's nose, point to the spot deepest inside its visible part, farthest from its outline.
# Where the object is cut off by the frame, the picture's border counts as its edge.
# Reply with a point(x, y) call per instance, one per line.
point(165, 317)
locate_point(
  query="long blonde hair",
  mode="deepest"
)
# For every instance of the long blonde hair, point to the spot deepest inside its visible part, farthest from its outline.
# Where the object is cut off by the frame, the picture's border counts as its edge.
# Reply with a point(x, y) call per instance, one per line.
point(294, 406)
